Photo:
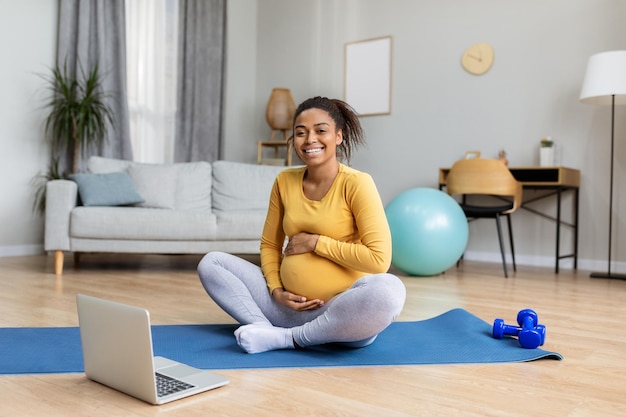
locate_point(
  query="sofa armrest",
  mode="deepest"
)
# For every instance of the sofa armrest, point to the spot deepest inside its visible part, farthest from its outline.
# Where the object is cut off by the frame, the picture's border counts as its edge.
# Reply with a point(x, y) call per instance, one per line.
point(61, 198)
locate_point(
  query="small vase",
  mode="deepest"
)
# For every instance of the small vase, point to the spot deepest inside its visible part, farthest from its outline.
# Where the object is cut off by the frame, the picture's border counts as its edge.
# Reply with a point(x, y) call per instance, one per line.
point(280, 109)
point(546, 156)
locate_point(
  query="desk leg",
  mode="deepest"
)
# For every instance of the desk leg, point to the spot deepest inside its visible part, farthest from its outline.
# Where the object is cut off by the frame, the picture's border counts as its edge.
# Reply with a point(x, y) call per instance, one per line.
point(574, 228)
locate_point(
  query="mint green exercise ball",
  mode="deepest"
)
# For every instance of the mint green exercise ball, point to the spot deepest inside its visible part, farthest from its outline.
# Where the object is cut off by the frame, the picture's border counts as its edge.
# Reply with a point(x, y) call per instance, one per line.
point(429, 231)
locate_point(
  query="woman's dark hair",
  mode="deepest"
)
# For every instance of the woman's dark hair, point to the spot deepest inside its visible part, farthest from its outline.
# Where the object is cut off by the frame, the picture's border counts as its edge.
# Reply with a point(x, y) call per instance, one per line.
point(345, 118)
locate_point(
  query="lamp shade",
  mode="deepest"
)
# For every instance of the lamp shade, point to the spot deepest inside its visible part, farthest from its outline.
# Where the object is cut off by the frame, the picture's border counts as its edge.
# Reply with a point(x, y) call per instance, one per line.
point(605, 77)
point(280, 109)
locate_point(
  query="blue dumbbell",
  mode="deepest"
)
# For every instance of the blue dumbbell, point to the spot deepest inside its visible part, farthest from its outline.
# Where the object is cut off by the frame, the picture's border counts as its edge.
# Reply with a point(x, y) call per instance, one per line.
point(530, 333)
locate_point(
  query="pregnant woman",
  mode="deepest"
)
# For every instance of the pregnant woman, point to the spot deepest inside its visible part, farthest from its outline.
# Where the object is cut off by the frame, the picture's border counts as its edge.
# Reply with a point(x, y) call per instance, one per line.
point(329, 282)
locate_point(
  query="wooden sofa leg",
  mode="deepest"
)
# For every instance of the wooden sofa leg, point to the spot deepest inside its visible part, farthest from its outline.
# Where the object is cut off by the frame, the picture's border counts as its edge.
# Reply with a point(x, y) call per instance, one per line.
point(58, 262)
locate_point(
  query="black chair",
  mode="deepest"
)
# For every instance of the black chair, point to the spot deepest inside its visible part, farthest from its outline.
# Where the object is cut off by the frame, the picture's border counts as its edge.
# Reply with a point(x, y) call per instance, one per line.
point(486, 177)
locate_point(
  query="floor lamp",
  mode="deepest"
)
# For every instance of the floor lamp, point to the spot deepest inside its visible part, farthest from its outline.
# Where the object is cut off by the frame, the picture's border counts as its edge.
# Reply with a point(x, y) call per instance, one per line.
point(605, 84)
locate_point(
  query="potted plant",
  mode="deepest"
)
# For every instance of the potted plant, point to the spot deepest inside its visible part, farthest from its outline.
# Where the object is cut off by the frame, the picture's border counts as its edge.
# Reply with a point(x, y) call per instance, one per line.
point(77, 120)
point(546, 152)
point(78, 112)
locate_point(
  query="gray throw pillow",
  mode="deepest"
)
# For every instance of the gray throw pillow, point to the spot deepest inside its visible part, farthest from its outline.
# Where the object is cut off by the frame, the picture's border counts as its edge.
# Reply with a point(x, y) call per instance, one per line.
point(113, 189)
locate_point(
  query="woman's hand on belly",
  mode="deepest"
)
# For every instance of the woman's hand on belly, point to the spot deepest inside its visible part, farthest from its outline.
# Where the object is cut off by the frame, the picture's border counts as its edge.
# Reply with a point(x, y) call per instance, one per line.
point(301, 243)
point(295, 302)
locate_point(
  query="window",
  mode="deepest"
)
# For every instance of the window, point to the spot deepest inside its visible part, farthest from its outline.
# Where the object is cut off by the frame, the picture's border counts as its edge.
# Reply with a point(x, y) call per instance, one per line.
point(151, 62)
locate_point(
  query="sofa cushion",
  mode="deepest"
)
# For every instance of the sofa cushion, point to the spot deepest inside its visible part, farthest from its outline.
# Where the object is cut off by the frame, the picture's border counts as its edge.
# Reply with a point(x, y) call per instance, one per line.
point(139, 223)
point(193, 184)
point(112, 189)
point(155, 183)
point(240, 186)
point(193, 190)
point(239, 224)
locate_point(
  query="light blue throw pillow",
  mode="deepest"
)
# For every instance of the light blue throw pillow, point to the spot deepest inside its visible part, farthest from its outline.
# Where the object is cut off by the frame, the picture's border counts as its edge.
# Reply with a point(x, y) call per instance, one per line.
point(112, 189)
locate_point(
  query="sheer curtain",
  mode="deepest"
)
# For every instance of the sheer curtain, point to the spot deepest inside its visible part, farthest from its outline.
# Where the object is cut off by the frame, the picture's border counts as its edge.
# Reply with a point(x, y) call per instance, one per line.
point(151, 44)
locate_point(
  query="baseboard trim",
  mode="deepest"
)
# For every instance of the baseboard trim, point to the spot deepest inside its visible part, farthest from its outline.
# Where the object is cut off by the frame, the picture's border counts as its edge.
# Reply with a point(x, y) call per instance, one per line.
point(547, 261)
point(21, 250)
point(493, 257)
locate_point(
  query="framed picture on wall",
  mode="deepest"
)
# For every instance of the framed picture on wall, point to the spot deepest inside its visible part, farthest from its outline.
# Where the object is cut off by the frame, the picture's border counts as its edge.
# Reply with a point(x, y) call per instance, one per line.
point(367, 84)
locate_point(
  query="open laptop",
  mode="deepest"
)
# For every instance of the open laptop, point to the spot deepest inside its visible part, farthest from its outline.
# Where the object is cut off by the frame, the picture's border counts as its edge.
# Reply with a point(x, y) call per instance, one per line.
point(117, 352)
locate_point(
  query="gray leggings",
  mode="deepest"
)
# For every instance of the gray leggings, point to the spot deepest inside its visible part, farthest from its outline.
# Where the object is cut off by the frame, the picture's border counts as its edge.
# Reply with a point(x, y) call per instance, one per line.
point(354, 317)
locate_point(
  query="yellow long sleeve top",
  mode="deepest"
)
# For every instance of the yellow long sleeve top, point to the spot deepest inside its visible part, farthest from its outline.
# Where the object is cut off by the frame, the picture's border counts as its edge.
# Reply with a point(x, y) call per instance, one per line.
point(354, 234)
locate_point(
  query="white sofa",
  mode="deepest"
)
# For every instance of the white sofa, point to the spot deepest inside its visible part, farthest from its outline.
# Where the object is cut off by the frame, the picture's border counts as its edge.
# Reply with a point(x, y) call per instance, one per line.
point(187, 208)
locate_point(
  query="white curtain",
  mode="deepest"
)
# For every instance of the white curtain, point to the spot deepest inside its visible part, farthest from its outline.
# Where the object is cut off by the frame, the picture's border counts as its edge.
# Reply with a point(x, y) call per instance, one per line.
point(151, 43)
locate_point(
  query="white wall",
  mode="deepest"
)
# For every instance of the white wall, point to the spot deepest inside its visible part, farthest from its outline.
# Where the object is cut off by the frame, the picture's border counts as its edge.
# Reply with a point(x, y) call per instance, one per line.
point(28, 33)
point(438, 110)
point(240, 90)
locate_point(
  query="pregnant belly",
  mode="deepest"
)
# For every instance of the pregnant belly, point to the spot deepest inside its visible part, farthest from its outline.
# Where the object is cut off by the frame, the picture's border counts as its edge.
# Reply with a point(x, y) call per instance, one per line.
point(315, 277)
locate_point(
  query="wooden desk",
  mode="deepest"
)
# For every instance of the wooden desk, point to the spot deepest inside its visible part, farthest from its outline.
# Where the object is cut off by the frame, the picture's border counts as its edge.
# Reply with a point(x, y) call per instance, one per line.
point(556, 180)
point(535, 176)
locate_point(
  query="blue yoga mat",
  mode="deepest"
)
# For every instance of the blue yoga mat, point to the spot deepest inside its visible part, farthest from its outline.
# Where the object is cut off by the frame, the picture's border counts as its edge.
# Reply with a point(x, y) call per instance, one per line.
point(454, 337)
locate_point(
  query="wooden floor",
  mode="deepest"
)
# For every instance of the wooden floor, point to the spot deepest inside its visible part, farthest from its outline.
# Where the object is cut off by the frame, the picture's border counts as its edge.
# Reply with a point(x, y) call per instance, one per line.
point(585, 320)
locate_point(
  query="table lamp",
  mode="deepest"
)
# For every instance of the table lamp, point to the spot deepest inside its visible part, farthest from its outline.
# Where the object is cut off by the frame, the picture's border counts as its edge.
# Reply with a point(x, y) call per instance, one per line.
point(605, 84)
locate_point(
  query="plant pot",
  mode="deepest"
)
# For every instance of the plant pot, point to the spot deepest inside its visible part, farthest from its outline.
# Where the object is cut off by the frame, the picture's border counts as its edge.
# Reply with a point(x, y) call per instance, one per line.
point(546, 156)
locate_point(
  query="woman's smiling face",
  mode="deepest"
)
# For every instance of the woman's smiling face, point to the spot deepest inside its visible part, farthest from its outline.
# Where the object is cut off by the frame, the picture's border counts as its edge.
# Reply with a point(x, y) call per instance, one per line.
point(316, 137)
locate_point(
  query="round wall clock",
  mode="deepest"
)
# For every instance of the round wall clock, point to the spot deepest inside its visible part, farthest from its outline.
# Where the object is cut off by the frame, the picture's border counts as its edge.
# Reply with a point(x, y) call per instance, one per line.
point(478, 58)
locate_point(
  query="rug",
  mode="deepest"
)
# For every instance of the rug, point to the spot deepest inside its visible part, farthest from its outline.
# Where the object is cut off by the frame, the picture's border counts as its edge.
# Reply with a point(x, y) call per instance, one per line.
point(455, 337)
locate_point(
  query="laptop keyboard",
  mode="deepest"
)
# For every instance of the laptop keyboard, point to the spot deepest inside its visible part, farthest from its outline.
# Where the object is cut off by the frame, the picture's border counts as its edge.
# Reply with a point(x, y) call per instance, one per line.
point(167, 385)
